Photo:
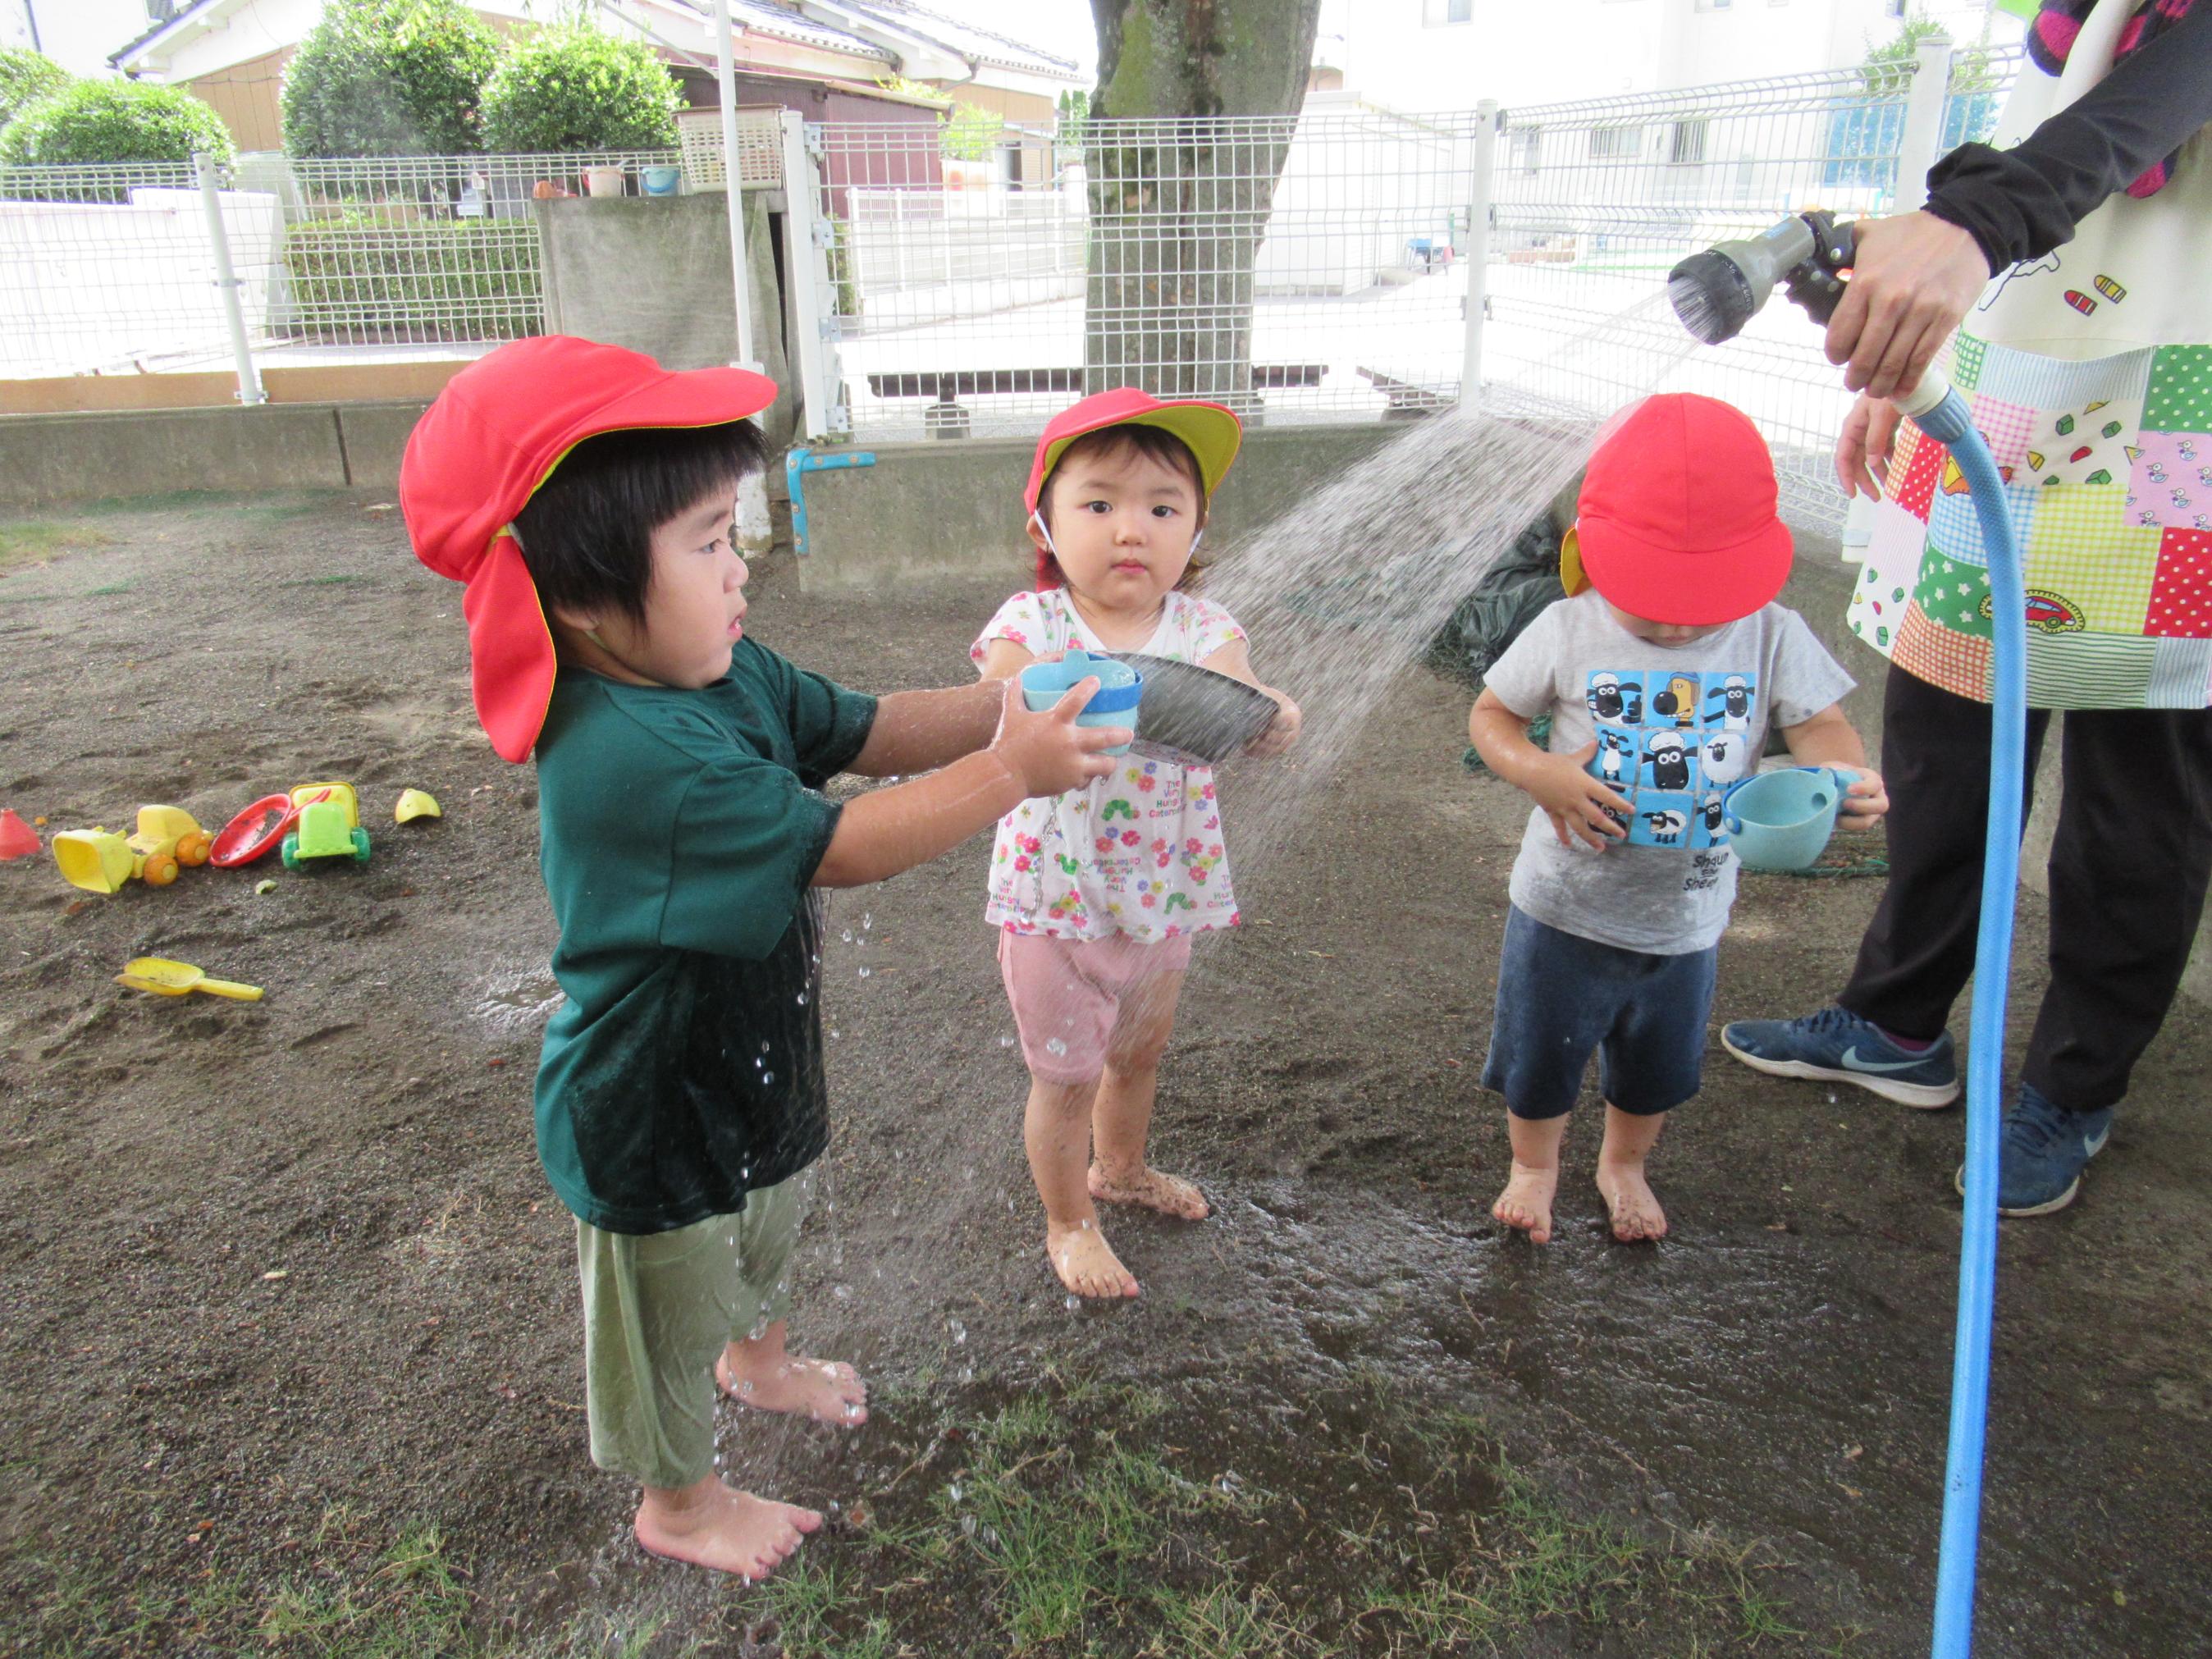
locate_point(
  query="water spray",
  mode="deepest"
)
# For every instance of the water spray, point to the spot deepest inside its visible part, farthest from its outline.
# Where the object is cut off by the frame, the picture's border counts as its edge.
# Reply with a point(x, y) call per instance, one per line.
point(1715, 294)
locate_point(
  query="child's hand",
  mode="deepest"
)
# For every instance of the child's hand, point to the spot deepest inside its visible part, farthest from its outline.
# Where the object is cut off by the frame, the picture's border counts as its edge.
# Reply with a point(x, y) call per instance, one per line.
point(1865, 801)
point(1048, 751)
point(1575, 800)
point(1282, 731)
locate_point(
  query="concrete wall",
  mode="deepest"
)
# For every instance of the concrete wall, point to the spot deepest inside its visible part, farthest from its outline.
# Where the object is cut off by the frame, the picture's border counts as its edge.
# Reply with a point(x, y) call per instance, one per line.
point(953, 508)
point(653, 273)
point(48, 460)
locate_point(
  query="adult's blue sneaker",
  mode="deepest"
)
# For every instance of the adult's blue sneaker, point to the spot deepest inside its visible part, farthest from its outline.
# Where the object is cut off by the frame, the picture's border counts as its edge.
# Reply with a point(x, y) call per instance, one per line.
point(2042, 1153)
point(1838, 1045)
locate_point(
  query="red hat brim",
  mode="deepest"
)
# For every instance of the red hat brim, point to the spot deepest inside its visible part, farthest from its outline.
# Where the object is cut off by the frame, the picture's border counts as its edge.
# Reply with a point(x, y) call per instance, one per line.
point(1702, 589)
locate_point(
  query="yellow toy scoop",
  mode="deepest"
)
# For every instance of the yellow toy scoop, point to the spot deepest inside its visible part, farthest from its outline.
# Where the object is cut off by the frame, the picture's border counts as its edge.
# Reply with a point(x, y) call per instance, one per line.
point(165, 978)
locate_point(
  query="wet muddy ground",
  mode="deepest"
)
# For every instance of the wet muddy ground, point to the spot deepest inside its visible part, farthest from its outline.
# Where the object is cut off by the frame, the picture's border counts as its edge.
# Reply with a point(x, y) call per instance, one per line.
point(291, 1355)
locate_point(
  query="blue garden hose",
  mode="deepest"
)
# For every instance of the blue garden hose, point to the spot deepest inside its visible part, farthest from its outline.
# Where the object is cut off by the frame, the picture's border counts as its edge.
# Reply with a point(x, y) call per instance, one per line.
point(1715, 293)
point(1942, 414)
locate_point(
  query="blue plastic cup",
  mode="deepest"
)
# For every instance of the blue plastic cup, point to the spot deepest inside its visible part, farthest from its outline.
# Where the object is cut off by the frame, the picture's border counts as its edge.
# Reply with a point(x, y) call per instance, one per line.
point(1114, 703)
point(660, 180)
point(1782, 820)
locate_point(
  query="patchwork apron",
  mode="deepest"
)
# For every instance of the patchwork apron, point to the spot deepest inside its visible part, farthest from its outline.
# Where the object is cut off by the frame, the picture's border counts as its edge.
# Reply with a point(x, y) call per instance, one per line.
point(2090, 373)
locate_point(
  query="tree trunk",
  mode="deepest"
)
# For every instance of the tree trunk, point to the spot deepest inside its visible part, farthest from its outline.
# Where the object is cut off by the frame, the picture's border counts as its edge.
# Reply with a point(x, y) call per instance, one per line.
point(1179, 203)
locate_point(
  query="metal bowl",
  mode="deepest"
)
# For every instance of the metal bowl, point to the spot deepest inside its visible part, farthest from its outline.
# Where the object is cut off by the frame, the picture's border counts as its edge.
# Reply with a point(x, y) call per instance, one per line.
point(1193, 716)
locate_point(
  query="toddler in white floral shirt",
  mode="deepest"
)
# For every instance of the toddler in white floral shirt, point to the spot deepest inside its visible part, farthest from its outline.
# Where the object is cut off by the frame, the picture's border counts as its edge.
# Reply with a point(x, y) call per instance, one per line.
point(1096, 893)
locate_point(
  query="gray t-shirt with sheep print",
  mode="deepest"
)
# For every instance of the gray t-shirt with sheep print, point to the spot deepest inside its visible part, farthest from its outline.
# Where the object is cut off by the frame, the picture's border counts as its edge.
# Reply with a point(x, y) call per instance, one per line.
point(1675, 725)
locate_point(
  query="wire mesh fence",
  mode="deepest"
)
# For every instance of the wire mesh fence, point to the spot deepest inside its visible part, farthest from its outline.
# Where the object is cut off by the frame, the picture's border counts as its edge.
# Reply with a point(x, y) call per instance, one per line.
point(1314, 268)
point(435, 250)
point(112, 269)
point(1297, 268)
point(947, 281)
point(1595, 202)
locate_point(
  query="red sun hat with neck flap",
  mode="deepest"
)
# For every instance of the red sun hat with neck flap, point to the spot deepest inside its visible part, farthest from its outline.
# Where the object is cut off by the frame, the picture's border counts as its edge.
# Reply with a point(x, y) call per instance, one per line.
point(1213, 433)
point(481, 451)
point(1677, 519)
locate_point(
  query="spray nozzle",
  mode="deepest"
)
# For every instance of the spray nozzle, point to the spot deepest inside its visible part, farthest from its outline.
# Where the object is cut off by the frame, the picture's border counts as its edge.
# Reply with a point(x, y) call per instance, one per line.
point(1716, 292)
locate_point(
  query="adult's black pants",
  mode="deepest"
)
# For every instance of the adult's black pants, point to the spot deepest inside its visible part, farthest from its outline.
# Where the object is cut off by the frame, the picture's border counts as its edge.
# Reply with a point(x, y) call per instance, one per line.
point(2127, 871)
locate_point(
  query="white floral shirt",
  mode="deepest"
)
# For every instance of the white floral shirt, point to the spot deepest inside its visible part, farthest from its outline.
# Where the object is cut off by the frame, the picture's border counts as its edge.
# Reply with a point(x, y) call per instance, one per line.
point(1138, 851)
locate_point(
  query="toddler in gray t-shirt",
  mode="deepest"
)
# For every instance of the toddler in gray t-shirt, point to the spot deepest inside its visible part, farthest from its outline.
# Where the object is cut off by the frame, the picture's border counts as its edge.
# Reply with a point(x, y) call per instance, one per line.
point(1663, 672)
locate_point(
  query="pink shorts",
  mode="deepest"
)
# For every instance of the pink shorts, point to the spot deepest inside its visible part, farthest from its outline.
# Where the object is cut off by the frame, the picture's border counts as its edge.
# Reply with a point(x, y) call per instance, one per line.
point(1066, 994)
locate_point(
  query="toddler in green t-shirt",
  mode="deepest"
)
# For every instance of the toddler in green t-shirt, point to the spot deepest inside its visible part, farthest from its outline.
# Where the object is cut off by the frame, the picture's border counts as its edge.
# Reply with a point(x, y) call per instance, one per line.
point(586, 496)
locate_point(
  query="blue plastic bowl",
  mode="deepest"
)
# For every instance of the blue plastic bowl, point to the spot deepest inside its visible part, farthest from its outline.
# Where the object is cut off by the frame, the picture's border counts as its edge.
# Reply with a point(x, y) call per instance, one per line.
point(1782, 820)
point(1115, 702)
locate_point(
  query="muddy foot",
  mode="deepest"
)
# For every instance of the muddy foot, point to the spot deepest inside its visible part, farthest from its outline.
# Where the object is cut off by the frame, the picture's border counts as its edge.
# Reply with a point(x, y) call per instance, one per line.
point(1636, 1217)
point(713, 1525)
point(828, 1391)
point(1526, 1203)
point(1085, 1263)
point(1168, 1195)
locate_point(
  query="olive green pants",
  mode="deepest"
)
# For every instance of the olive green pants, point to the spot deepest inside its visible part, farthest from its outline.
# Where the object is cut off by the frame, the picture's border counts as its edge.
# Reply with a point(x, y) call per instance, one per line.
point(659, 1308)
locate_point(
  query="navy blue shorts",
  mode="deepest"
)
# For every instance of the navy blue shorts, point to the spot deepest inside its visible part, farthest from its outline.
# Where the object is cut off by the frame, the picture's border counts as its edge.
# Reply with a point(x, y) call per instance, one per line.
point(1560, 996)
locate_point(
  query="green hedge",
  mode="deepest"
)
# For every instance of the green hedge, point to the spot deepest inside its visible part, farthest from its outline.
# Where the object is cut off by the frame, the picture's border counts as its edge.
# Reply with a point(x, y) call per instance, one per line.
point(358, 279)
point(577, 88)
point(388, 77)
point(26, 77)
point(106, 122)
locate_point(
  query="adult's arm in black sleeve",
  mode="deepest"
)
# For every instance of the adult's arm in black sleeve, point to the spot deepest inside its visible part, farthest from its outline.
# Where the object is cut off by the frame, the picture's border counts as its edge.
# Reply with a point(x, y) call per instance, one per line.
point(2019, 204)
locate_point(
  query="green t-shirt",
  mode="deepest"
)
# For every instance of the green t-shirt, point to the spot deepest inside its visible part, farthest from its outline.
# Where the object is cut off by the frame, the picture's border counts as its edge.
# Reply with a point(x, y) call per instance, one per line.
point(681, 831)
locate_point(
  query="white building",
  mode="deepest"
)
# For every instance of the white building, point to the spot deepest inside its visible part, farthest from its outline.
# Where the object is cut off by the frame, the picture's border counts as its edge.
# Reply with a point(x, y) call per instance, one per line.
point(78, 34)
point(1450, 54)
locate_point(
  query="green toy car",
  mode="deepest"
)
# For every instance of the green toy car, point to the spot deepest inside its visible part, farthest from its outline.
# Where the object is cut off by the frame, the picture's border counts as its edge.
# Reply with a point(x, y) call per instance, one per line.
point(329, 826)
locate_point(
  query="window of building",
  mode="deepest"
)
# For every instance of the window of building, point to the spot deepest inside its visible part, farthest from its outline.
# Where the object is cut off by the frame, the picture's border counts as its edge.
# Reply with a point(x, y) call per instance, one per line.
point(1615, 143)
point(1527, 147)
point(1715, 5)
point(1437, 13)
point(1685, 142)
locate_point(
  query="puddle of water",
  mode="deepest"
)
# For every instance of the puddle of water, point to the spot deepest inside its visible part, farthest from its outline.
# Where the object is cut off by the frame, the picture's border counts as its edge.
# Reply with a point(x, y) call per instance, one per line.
point(516, 1000)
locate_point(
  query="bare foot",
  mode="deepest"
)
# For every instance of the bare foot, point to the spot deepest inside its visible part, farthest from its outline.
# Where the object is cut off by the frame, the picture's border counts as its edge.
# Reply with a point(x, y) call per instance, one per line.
point(1526, 1203)
point(827, 1390)
point(1168, 1195)
point(1085, 1262)
point(1637, 1216)
point(713, 1525)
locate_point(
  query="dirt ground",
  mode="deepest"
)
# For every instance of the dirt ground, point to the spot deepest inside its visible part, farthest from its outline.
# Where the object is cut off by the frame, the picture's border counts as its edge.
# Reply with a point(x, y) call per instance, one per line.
point(291, 1355)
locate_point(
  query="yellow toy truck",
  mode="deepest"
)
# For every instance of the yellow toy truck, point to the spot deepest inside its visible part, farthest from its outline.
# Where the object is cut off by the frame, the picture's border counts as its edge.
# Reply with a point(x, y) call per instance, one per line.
point(99, 860)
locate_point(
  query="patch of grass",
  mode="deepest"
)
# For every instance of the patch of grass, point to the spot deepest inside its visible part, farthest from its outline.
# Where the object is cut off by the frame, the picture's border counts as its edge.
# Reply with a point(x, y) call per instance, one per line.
point(1073, 1517)
point(411, 1604)
point(346, 579)
point(41, 541)
point(1082, 1517)
point(404, 1601)
point(109, 590)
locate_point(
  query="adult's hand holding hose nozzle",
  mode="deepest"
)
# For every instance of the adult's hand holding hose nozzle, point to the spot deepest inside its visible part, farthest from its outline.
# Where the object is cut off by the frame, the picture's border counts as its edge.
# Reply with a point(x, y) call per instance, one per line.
point(1717, 292)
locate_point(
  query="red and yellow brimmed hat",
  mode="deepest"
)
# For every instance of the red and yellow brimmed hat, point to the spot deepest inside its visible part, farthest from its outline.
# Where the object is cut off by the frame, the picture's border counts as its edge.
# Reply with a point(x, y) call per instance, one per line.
point(483, 449)
point(1213, 433)
point(1677, 519)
